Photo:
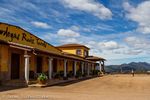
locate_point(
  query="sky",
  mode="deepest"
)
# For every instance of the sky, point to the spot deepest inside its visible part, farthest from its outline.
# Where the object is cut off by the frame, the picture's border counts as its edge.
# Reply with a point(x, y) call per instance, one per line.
point(117, 30)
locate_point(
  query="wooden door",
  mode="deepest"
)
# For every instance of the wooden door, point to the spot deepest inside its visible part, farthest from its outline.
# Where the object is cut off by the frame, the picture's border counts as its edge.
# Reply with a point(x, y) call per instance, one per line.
point(39, 64)
point(15, 65)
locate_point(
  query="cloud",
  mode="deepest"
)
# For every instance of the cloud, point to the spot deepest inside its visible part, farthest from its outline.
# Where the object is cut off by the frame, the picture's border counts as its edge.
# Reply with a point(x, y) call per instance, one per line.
point(75, 28)
point(109, 45)
point(127, 6)
point(67, 33)
point(40, 24)
point(90, 6)
point(136, 42)
point(133, 52)
point(144, 29)
point(69, 40)
point(139, 14)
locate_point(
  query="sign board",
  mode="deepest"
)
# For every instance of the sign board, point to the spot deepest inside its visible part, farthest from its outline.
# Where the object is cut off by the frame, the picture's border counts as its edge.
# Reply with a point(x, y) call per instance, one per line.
point(15, 34)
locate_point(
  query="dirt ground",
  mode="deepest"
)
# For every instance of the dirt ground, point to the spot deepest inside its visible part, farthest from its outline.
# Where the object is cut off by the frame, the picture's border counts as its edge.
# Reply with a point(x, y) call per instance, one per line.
point(109, 87)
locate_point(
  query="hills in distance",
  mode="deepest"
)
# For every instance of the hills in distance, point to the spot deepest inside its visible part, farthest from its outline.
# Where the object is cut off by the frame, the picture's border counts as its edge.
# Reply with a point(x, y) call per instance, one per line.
point(138, 67)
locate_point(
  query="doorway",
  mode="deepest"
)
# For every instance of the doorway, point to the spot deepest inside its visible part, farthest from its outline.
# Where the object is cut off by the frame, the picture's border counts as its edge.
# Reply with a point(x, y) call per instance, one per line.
point(39, 64)
point(15, 65)
point(55, 65)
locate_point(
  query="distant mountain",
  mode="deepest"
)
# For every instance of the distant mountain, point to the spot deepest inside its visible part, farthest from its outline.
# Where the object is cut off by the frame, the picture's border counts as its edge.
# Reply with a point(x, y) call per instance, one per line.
point(139, 67)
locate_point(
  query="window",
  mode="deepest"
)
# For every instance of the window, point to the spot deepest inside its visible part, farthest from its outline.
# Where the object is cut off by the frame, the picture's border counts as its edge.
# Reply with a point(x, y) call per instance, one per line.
point(78, 52)
point(85, 53)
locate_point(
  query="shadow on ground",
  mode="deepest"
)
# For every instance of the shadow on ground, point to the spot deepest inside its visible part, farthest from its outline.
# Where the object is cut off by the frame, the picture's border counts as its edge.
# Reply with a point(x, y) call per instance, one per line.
point(72, 82)
point(7, 88)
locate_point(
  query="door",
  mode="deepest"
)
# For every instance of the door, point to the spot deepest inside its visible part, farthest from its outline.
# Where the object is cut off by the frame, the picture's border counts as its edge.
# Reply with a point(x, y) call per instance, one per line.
point(80, 67)
point(55, 65)
point(15, 65)
point(39, 64)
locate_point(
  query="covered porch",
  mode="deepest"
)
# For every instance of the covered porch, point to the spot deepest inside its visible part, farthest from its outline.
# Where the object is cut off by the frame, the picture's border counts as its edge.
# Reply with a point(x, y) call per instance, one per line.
point(26, 63)
point(100, 63)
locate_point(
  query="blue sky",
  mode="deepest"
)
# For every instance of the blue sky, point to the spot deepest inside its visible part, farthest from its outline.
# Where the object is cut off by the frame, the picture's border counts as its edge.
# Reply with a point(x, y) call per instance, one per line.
point(118, 30)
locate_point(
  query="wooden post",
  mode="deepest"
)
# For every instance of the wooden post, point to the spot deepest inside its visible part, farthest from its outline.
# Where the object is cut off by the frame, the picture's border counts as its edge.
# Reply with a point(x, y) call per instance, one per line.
point(50, 68)
point(82, 68)
point(65, 68)
point(75, 65)
point(26, 67)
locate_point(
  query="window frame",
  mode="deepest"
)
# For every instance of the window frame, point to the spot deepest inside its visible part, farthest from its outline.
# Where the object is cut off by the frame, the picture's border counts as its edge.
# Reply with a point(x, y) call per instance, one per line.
point(78, 52)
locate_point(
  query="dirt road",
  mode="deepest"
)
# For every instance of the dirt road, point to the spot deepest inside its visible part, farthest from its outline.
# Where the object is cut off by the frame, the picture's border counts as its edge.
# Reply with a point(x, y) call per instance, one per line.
point(110, 87)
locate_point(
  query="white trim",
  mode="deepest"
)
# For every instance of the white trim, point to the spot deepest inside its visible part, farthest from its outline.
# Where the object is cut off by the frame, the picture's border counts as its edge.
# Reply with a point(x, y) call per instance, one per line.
point(50, 68)
point(75, 66)
point(65, 68)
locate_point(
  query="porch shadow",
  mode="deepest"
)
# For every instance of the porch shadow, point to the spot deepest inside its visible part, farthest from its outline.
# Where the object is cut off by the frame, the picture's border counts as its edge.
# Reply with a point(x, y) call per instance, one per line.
point(69, 82)
point(7, 88)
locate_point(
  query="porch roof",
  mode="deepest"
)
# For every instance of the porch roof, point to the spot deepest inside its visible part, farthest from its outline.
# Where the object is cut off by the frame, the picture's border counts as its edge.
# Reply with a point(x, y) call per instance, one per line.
point(94, 58)
point(29, 48)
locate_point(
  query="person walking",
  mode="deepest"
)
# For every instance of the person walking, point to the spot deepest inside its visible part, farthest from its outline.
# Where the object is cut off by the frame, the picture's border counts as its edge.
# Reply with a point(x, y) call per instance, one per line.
point(132, 72)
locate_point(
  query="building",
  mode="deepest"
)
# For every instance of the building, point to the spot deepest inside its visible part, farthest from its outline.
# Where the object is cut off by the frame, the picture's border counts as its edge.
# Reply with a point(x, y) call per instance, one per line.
point(76, 49)
point(24, 55)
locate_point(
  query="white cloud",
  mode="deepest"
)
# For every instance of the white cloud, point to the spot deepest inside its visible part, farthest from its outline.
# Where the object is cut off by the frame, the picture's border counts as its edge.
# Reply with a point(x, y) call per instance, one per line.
point(69, 40)
point(127, 6)
point(67, 33)
point(135, 42)
point(40, 24)
point(75, 28)
point(90, 6)
point(144, 29)
point(139, 14)
point(110, 45)
point(138, 44)
point(133, 52)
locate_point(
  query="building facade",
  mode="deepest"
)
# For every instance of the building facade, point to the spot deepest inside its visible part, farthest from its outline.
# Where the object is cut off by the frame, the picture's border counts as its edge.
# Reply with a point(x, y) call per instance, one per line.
point(24, 55)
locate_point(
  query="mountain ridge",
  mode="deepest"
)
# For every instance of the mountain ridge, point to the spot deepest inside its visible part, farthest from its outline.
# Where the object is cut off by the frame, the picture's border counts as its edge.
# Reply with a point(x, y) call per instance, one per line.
point(139, 67)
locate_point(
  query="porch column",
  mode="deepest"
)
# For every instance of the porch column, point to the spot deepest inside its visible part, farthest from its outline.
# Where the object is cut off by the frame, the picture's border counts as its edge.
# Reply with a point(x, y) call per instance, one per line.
point(65, 68)
point(100, 66)
point(26, 67)
point(50, 68)
point(103, 67)
point(88, 70)
point(82, 68)
point(75, 65)
point(94, 66)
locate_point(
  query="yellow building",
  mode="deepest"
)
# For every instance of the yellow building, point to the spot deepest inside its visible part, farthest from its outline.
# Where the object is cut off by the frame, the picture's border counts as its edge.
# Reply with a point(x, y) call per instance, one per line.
point(24, 55)
point(82, 51)
point(76, 49)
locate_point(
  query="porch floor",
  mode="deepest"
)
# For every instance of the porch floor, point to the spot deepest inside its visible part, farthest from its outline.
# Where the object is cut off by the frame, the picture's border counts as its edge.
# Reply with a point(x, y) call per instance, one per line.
point(58, 81)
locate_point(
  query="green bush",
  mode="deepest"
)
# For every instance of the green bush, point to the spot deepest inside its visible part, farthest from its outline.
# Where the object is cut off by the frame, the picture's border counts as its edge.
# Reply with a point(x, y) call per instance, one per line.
point(56, 75)
point(61, 73)
point(96, 72)
point(70, 74)
point(85, 74)
point(78, 74)
point(42, 77)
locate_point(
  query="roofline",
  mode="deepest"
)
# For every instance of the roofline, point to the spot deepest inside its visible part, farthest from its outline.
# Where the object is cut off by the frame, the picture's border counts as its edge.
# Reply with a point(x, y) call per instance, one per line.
point(100, 58)
point(80, 45)
point(72, 46)
point(30, 34)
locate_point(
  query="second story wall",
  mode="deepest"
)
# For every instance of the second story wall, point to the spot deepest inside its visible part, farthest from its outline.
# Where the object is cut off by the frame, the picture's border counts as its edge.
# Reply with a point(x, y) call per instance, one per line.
point(80, 51)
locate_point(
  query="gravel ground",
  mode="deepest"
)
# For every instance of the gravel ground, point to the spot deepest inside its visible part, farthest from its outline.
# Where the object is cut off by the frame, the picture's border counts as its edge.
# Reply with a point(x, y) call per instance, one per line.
point(109, 87)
